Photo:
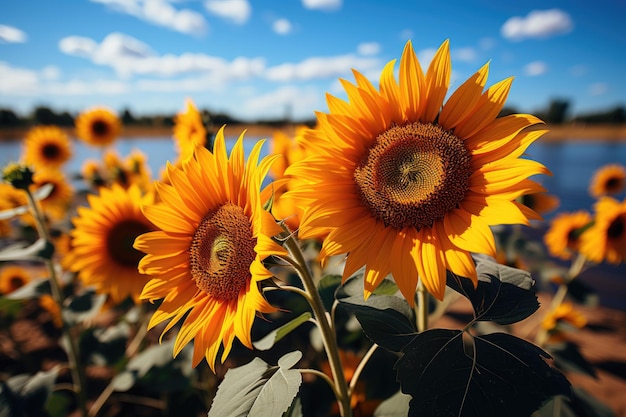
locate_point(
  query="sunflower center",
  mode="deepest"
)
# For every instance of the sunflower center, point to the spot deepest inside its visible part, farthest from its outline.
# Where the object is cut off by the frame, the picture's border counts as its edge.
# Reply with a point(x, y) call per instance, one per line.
point(222, 251)
point(613, 185)
point(413, 174)
point(100, 128)
point(617, 228)
point(50, 151)
point(16, 282)
point(120, 241)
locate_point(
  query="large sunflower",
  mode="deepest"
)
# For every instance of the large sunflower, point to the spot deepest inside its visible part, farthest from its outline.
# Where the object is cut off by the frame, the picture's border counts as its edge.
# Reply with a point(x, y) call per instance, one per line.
point(207, 259)
point(563, 236)
point(606, 239)
point(607, 180)
point(46, 147)
point(102, 242)
point(98, 126)
point(407, 185)
point(189, 130)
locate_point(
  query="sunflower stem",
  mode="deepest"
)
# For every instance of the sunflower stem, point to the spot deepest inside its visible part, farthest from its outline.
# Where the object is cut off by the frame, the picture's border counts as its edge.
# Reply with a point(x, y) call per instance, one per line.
point(575, 269)
point(422, 307)
point(328, 335)
point(78, 376)
point(359, 369)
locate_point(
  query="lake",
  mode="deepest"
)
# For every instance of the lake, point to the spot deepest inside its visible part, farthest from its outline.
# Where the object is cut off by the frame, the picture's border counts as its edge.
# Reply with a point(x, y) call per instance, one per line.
point(572, 163)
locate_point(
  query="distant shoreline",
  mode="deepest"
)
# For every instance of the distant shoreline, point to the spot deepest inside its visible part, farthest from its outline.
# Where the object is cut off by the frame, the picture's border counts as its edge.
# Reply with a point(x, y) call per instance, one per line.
point(557, 133)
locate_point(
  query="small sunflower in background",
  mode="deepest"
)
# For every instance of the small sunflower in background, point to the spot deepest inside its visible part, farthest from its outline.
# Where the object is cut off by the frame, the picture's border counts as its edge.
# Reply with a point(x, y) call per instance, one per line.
point(409, 185)
point(92, 173)
point(58, 202)
point(46, 147)
point(102, 242)
point(136, 164)
point(608, 180)
point(564, 314)
point(98, 126)
point(13, 277)
point(563, 237)
point(189, 130)
point(290, 150)
point(52, 307)
point(605, 240)
point(206, 259)
point(542, 203)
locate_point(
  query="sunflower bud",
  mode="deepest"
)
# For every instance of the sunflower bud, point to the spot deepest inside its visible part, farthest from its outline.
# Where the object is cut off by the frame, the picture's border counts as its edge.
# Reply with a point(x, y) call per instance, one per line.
point(18, 175)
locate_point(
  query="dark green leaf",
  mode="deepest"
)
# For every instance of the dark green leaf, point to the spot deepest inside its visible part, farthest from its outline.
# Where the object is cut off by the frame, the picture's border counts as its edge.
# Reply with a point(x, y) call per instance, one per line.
point(258, 389)
point(33, 289)
point(451, 373)
point(327, 287)
point(277, 334)
point(83, 307)
point(582, 293)
point(567, 357)
point(386, 319)
point(504, 294)
point(27, 394)
point(24, 251)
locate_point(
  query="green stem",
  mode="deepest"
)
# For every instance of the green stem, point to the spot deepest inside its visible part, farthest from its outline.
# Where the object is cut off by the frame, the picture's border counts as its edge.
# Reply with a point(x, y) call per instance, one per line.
point(328, 335)
point(359, 369)
point(78, 375)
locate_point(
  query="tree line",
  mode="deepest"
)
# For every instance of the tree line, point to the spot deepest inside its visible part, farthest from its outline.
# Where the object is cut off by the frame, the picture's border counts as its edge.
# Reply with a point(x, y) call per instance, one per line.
point(557, 112)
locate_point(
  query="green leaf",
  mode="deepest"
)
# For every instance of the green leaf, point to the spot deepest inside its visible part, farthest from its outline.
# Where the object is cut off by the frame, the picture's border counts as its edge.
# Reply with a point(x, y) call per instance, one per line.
point(33, 289)
point(386, 319)
point(277, 334)
point(10, 213)
point(451, 373)
point(258, 389)
point(27, 394)
point(24, 251)
point(326, 288)
point(504, 294)
point(582, 293)
point(83, 307)
point(395, 406)
point(567, 357)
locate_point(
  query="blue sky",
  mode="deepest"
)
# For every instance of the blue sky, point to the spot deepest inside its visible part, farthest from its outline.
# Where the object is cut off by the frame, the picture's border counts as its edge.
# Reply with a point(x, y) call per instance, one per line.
point(271, 58)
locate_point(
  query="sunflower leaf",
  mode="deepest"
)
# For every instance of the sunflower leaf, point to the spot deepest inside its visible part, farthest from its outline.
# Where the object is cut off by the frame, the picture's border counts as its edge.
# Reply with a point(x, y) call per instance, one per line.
point(395, 406)
point(258, 389)
point(25, 251)
point(450, 372)
point(386, 319)
point(82, 307)
point(504, 294)
point(27, 394)
point(277, 334)
point(12, 212)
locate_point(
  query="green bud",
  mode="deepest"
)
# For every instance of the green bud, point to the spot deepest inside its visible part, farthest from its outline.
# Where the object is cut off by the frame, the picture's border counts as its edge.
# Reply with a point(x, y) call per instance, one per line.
point(18, 175)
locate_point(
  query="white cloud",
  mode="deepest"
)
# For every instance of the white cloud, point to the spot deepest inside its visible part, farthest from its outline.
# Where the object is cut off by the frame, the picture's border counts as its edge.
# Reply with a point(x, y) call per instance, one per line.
point(407, 34)
point(537, 24)
point(319, 67)
point(87, 88)
point(284, 101)
point(368, 48)
point(425, 56)
point(463, 54)
point(282, 26)
point(129, 56)
point(237, 11)
point(326, 5)
point(50, 72)
point(10, 34)
point(162, 13)
point(18, 81)
point(487, 43)
point(598, 89)
point(579, 70)
point(535, 68)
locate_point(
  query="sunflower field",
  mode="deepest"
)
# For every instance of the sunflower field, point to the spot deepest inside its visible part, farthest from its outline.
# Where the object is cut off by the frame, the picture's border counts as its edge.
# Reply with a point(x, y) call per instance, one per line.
point(314, 279)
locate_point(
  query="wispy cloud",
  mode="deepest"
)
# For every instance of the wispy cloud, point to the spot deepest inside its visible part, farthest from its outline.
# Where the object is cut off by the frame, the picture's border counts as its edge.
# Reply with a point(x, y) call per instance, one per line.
point(535, 68)
point(320, 67)
point(161, 13)
point(325, 5)
point(10, 34)
point(237, 11)
point(368, 48)
point(290, 101)
point(282, 26)
point(537, 24)
point(598, 89)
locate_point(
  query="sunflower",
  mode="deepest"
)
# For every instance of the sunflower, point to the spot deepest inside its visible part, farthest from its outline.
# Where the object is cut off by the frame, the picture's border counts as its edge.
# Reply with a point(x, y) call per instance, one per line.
point(52, 307)
point(13, 277)
point(563, 236)
point(98, 126)
point(608, 179)
point(290, 150)
point(564, 313)
point(207, 258)
point(606, 238)
point(57, 203)
point(102, 242)
point(138, 170)
point(46, 147)
point(189, 130)
point(542, 203)
point(407, 185)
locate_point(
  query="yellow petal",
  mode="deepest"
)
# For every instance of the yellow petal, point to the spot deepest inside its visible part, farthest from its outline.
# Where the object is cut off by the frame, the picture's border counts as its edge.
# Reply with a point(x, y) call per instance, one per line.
point(437, 81)
point(463, 101)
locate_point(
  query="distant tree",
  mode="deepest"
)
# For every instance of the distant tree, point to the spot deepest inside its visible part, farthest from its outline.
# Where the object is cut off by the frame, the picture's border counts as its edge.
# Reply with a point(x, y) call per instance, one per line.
point(65, 119)
point(616, 115)
point(8, 118)
point(127, 117)
point(556, 112)
point(44, 115)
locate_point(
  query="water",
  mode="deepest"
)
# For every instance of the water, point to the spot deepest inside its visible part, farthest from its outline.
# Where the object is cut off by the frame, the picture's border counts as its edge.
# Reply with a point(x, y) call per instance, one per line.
point(572, 164)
